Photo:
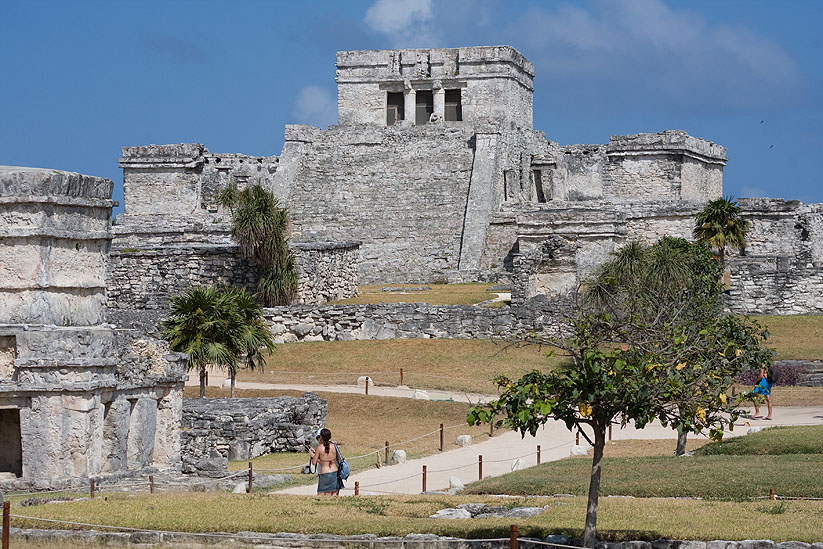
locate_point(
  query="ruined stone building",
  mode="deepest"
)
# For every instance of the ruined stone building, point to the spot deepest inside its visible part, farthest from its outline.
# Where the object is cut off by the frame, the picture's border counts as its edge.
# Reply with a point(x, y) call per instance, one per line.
point(435, 168)
point(78, 399)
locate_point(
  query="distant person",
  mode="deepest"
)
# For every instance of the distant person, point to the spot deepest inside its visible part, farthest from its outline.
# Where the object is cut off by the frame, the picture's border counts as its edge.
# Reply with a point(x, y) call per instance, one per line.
point(764, 387)
point(325, 456)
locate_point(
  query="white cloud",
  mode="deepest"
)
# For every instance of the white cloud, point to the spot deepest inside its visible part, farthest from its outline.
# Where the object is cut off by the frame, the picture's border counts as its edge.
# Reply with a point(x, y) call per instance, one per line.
point(406, 22)
point(315, 105)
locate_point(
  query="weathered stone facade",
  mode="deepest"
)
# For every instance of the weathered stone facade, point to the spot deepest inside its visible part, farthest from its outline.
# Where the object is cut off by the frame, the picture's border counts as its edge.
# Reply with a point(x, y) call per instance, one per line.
point(216, 430)
point(77, 398)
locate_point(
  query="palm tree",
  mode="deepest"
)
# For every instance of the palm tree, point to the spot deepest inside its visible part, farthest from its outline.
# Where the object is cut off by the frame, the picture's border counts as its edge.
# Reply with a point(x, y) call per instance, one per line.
point(259, 226)
point(719, 224)
point(217, 328)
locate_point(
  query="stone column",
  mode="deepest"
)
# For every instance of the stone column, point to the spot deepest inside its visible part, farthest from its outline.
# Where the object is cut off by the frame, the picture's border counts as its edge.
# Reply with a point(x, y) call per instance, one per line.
point(439, 100)
point(409, 106)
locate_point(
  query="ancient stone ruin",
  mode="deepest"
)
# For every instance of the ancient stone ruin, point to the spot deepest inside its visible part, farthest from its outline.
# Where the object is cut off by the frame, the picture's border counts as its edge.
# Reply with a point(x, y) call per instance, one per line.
point(78, 399)
point(436, 169)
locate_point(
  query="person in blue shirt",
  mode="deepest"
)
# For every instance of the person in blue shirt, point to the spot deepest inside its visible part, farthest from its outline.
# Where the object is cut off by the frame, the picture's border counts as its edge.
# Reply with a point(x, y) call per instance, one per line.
point(764, 387)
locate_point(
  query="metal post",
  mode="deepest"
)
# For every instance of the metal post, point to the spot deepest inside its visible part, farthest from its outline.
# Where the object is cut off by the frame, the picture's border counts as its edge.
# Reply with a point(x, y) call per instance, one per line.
point(538, 454)
point(401, 376)
point(387, 452)
point(513, 544)
point(480, 467)
point(356, 487)
point(424, 478)
point(610, 431)
point(151, 484)
point(441, 438)
point(91, 489)
point(6, 528)
point(251, 476)
point(367, 384)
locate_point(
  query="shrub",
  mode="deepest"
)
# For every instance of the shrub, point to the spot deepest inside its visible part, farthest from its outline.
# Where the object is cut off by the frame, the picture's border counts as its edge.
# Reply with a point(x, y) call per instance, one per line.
point(788, 373)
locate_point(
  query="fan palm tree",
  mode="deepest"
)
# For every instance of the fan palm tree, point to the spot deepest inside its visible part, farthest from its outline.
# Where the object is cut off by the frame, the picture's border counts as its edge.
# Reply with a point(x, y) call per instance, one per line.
point(259, 227)
point(720, 225)
point(217, 328)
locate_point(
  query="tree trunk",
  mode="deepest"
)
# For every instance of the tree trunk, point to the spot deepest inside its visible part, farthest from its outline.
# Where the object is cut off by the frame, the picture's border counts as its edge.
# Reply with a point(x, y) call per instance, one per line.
point(681, 441)
point(202, 382)
point(590, 531)
point(233, 374)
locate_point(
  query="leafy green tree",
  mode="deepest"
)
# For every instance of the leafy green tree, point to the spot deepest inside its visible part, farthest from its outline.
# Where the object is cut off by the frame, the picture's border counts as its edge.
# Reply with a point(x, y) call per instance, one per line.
point(259, 226)
point(217, 327)
point(720, 224)
point(648, 343)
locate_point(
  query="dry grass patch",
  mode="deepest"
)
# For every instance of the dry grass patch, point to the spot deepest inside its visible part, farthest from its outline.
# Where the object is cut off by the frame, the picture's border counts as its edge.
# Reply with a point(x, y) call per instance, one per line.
point(448, 364)
point(794, 337)
point(361, 424)
point(637, 448)
point(440, 294)
point(618, 519)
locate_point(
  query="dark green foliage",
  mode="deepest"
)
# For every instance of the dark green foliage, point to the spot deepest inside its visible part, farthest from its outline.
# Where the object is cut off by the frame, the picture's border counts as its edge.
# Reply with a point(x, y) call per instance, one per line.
point(259, 226)
point(218, 327)
point(719, 224)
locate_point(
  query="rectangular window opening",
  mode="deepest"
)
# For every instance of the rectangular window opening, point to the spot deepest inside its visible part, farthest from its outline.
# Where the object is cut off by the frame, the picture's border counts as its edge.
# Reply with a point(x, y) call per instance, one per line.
point(424, 106)
point(538, 185)
point(454, 107)
point(394, 108)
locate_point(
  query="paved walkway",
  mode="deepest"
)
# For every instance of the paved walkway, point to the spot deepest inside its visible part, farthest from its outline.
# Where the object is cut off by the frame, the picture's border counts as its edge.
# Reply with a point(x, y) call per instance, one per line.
point(499, 452)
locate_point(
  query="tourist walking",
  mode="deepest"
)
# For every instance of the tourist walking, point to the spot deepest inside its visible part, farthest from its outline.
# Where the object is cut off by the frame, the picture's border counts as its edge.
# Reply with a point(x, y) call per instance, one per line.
point(764, 387)
point(326, 458)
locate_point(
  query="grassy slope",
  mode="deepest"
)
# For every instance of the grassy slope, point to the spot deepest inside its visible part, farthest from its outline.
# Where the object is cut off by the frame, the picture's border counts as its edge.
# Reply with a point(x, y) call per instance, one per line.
point(618, 519)
point(440, 294)
point(741, 468)
point(794, 337)
point(449, 364)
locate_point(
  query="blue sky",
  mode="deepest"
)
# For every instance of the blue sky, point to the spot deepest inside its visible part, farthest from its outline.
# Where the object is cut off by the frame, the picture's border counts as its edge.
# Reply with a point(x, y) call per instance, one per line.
point(79, 79)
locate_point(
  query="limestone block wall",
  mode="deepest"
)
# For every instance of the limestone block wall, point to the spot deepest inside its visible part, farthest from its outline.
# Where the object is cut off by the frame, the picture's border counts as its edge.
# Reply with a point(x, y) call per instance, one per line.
point(781, 271)
point(396, 321)
point(402, 192)
point(54, 237)
point(222, 429)
point(327, 270)
point(184, 179)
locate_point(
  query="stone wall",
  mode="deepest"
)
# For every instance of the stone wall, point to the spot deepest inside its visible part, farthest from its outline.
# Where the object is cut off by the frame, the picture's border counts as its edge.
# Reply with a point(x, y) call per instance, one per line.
point(398, 321)
point(216, 430)
point(327, 270)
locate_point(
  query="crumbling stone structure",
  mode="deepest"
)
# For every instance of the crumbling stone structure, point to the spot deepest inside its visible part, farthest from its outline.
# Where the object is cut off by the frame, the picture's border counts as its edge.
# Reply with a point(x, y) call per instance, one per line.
point(216, 430)
point(435, 167)
point(77, 398)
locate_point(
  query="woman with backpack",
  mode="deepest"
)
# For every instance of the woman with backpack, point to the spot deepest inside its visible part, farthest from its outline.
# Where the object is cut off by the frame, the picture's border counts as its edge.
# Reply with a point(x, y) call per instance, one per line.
point(326, 458)
point(764, 387)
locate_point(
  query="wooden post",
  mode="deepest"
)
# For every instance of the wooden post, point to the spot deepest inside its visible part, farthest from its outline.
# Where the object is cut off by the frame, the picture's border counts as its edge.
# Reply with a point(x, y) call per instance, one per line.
point(771, 493)
point(401, 376)
point(251, 476)
point(6, 528)
point(441, 438)
point(367, 384)
point(610, 431)
point(151, 484)
point(577, 437)
point(356, 487)
point(538, 454)
point(513, 544)
point(424, 478)
point(480, 467)
point(91, 489)
point(734, 390)
point(387, 452)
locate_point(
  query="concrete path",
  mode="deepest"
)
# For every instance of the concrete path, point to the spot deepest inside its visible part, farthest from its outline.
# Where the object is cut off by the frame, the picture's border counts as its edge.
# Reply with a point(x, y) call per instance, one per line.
point(499, 452)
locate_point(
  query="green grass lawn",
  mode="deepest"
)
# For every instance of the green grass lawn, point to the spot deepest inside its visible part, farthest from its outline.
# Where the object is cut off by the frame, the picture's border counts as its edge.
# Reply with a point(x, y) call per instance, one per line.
point(779, 458)
point(618, 518)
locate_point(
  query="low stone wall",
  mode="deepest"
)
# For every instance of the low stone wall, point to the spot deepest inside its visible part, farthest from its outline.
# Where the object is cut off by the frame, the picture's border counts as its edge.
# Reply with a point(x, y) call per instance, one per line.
point(328, 270)
point(216, 430)
point(396, 321)
point(363, 541)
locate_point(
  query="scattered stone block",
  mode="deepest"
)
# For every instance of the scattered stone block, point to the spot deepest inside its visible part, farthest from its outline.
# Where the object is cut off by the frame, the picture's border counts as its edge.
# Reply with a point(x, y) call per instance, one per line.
point(398, 456)
point(464, 440)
